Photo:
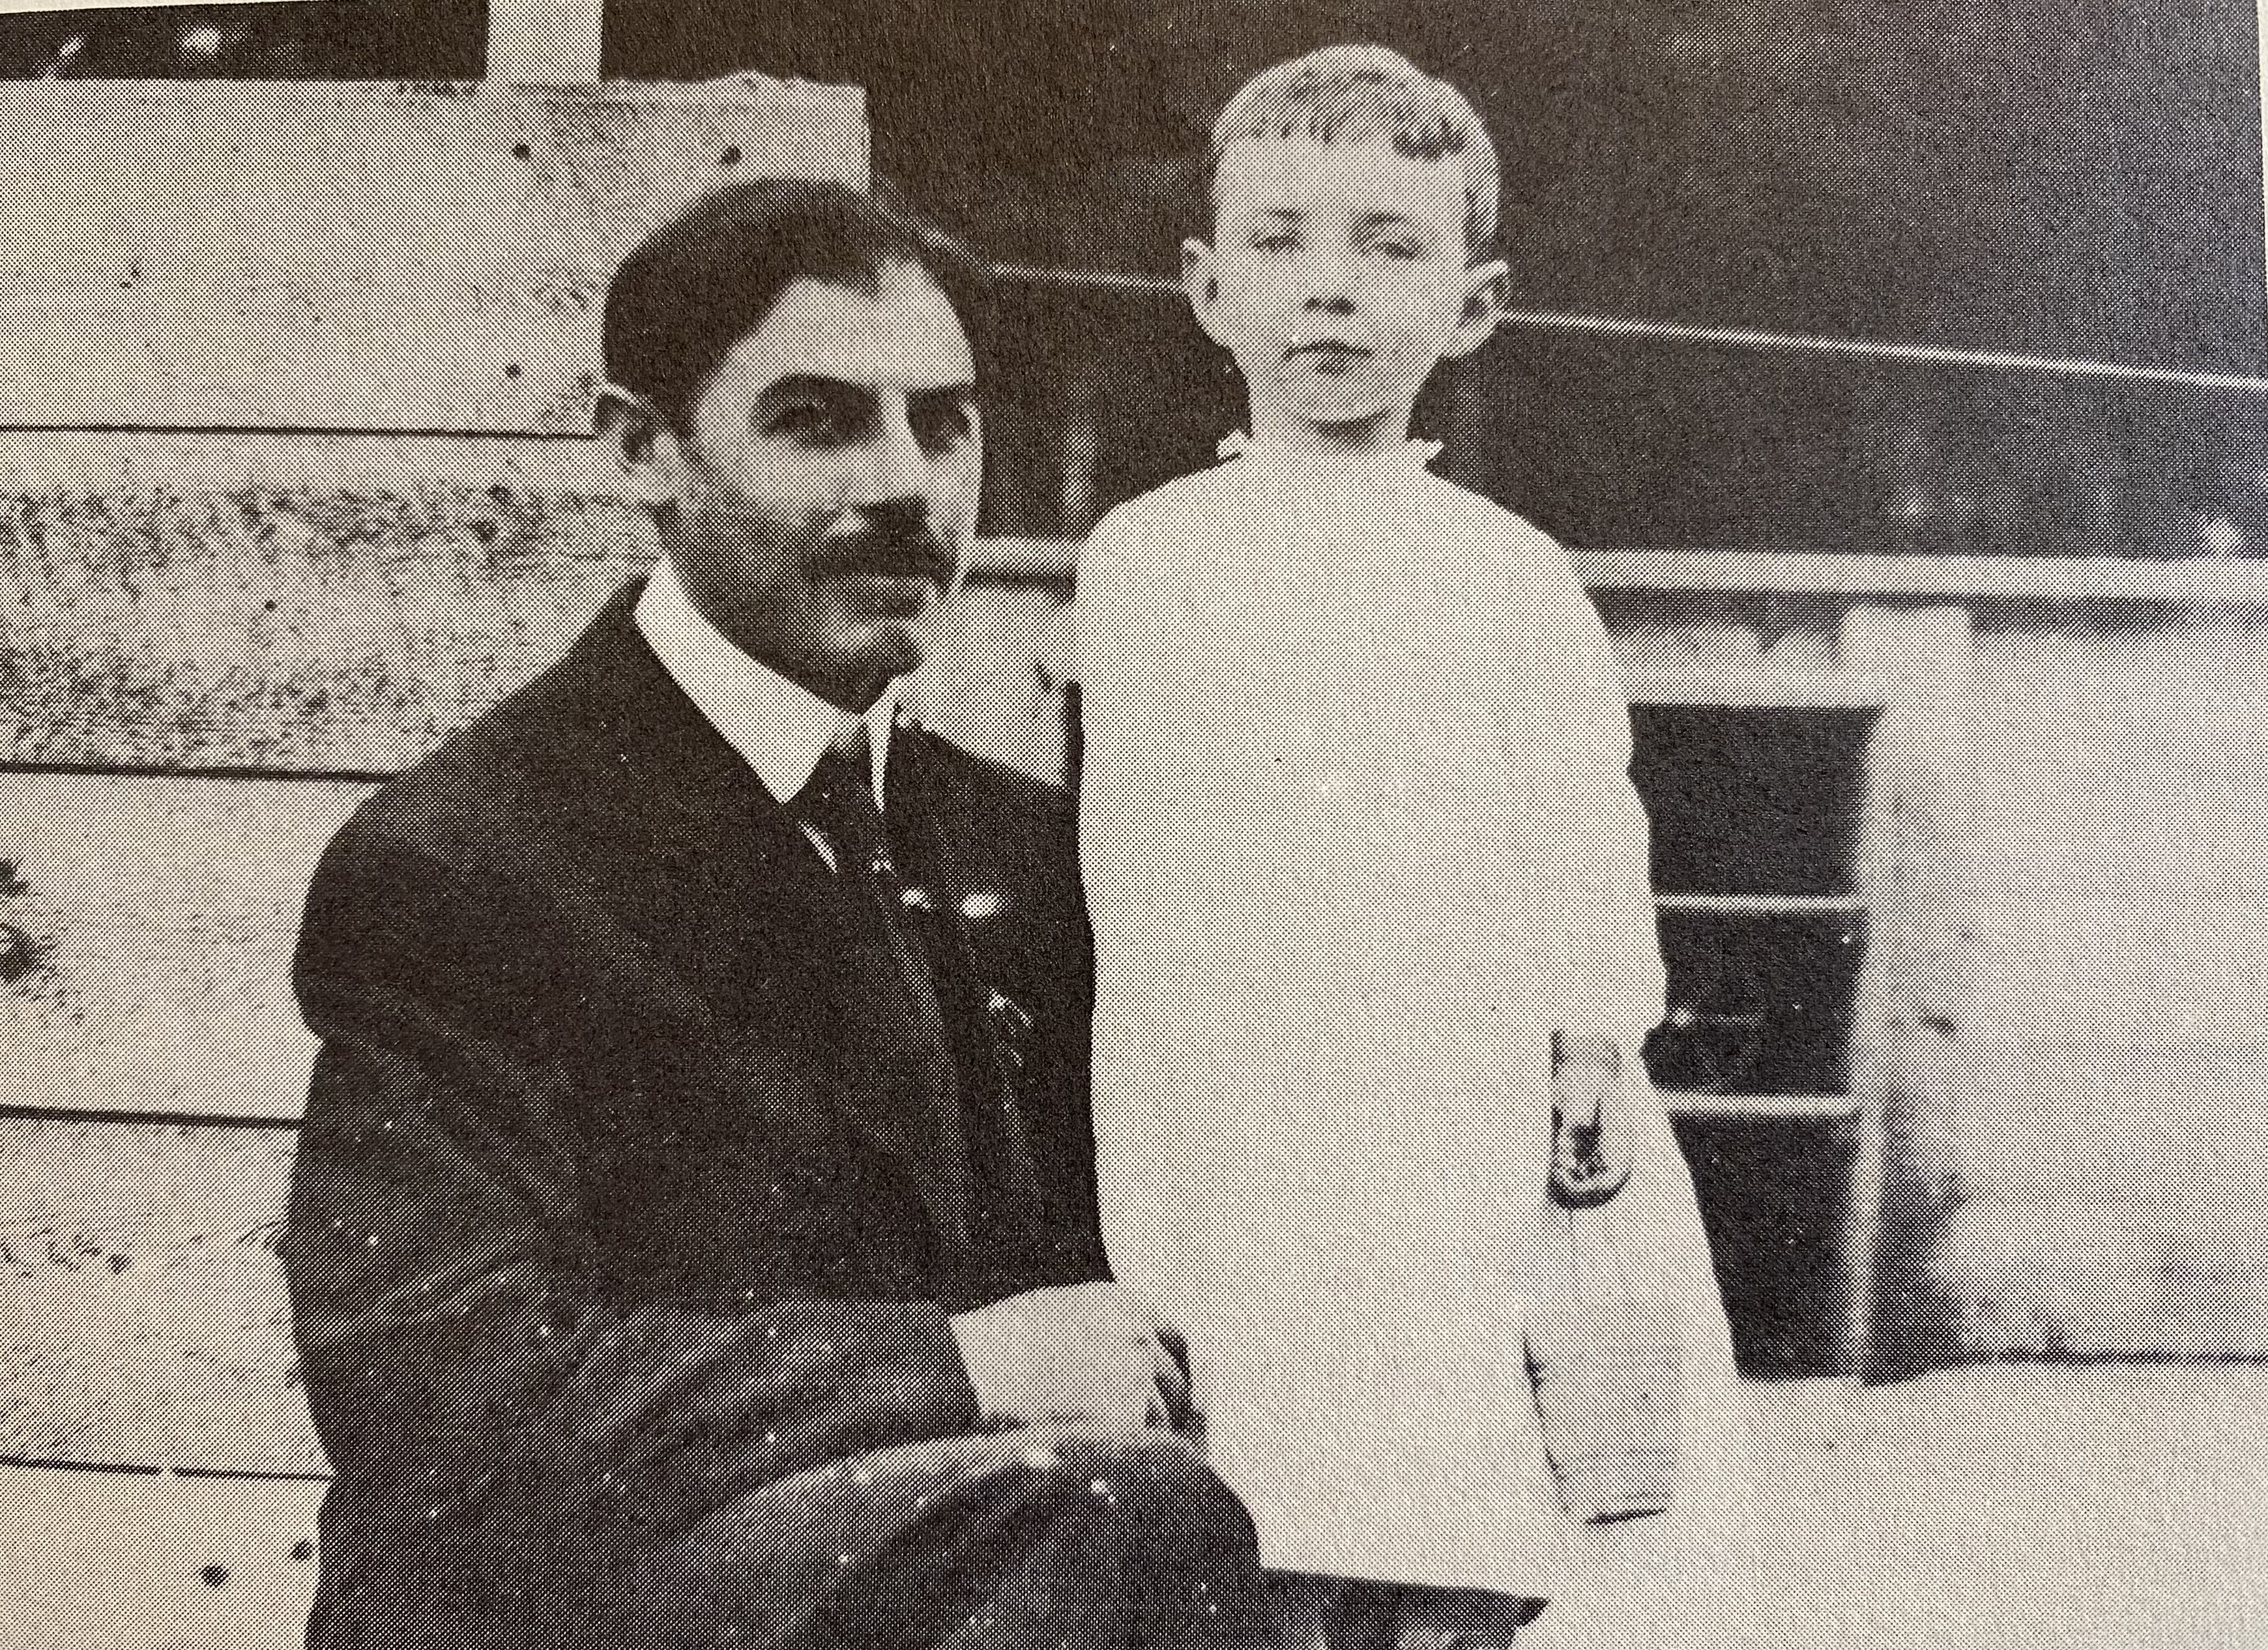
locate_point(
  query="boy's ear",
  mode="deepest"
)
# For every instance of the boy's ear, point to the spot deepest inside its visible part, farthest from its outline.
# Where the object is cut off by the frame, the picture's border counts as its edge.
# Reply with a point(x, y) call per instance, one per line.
point(1484, 308)
point(643, 445)
point(1201, 280)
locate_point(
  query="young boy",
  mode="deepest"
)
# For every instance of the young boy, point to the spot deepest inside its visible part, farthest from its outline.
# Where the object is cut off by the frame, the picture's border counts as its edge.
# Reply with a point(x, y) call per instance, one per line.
point(1362, 851)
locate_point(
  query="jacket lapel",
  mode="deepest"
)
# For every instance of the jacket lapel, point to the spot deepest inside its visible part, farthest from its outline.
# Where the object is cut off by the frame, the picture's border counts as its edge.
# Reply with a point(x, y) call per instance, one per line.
point(728, 864)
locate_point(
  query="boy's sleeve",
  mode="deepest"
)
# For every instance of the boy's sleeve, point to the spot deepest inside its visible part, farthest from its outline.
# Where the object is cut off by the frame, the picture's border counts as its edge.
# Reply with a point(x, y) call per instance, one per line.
point(1160, 825)
point(1121, 732)
point(1631, 940)
point(1614, 966)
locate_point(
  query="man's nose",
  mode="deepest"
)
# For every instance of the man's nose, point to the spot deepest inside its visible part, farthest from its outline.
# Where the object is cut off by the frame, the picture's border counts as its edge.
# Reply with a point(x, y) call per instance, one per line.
point(896, 465)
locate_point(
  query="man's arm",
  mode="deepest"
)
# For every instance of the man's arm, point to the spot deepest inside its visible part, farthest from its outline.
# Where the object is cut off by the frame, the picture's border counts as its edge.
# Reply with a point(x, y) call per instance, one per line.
point(468, 1353)
point(468, 1356)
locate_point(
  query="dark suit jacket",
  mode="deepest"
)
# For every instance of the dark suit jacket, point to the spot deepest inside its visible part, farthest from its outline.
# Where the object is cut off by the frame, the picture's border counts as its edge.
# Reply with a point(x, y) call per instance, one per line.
point(607, 1205)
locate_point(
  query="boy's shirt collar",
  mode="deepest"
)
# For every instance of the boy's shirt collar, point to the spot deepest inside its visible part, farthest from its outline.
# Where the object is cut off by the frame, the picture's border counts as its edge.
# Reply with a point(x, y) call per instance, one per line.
point(1413, 452)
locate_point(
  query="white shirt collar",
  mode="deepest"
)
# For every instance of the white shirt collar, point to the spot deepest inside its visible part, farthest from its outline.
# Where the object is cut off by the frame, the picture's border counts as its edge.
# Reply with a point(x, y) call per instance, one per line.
point(1416, 453)
point(779, 726)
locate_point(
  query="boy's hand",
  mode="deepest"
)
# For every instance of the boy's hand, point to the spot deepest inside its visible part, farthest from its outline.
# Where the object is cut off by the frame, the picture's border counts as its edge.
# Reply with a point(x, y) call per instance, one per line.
point(1087, 1353)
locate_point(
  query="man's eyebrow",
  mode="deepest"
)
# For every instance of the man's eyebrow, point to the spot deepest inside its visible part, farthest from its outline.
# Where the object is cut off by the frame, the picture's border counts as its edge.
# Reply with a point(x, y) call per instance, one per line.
point(819, 387)
point(815, 385)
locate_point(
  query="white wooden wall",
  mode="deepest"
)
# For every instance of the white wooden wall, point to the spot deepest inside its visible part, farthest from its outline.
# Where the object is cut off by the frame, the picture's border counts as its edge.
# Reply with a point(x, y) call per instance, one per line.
point(2059, 1039)
point(295, 477)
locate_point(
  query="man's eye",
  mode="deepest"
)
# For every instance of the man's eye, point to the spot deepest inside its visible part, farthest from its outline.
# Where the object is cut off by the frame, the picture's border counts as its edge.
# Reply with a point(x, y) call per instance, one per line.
point(944, 422)
point(806, 421)
point(1274, 243)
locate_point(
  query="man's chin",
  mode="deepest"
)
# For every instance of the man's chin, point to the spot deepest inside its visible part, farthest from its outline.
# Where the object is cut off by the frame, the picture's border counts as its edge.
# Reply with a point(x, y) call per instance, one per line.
point(894, 649)
point(882, 628)
point(890, 597)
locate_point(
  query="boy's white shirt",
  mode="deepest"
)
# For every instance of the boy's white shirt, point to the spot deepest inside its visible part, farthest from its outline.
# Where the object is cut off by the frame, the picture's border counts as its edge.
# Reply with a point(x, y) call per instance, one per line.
point(1355, 751)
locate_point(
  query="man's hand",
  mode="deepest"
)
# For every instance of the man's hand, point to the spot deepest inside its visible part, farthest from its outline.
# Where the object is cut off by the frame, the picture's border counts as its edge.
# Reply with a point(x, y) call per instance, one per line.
point(1442, 1619)
point(1087, 1353)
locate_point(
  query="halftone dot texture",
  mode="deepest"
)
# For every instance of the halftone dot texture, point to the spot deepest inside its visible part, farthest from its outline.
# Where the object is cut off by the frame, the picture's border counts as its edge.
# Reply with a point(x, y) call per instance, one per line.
point(338, 503)
point(277, 514)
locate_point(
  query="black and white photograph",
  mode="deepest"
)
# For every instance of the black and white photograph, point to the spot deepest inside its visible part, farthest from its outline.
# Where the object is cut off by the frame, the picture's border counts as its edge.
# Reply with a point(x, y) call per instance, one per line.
point(1133, 825)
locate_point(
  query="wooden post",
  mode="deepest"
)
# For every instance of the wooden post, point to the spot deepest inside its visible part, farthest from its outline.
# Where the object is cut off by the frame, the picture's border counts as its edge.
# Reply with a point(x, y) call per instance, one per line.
point(1082, 416)
point(1909, 1011)
point(545, 42)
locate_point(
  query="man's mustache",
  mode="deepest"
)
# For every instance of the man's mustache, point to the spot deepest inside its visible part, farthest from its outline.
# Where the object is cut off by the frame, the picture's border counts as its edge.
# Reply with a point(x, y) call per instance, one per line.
point(913, 552)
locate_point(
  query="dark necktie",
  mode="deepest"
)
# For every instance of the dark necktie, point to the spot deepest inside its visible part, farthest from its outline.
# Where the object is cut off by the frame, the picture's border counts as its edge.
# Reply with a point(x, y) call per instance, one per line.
point(839, 801)
point(984, 1120)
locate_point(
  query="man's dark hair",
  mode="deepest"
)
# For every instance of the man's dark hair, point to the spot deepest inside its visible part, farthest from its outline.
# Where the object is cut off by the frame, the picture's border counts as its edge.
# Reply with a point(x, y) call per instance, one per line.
point(708, 276)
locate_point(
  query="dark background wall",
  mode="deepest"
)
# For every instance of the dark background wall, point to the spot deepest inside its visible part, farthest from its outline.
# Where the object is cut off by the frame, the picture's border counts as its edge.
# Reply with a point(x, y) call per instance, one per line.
point(2075, 178)
point(2066, 177)
point(361, 40)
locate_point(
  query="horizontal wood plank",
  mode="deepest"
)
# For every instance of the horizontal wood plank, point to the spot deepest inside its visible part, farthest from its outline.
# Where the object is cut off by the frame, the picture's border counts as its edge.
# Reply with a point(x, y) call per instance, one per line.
point(302, 603)
point(143, 1320)
point(146, 927)
point(1751, 685)
point(2063, 581)
point(360, 256)
point(1716, 1107)
point(313, 603)
point(103, 1561)
point(1736, 905)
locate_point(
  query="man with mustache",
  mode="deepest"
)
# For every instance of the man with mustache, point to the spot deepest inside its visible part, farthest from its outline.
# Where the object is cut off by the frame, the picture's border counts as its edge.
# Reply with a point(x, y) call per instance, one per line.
point(693, 1239)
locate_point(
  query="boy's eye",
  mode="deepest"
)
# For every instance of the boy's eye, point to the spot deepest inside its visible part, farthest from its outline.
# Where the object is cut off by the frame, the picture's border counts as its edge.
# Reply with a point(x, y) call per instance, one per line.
point(1389, 242)
point(1275, 240)
point(944, 420)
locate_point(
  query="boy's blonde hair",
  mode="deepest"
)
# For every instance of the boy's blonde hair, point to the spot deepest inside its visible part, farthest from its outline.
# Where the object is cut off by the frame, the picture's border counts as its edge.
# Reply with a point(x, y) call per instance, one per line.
point(1356, 92)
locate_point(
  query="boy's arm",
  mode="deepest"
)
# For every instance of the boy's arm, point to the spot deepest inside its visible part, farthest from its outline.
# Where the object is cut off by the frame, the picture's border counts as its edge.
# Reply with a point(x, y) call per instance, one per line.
point(1632, 933)
point(1615, 979)
point(1126, 723)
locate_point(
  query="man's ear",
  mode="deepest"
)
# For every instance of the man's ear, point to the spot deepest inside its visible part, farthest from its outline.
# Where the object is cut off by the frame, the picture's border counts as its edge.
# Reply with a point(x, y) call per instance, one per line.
point(644, 445)
point(1483, 307)
point(1201, 280)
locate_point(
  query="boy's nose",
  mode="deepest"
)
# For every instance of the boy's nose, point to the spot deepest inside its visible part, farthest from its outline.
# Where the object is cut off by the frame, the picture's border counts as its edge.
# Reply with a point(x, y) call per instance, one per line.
point(1329, 280)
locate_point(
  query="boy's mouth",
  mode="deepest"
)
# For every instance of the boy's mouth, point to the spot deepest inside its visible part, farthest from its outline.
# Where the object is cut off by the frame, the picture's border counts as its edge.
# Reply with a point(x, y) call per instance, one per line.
point(1329, 356)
